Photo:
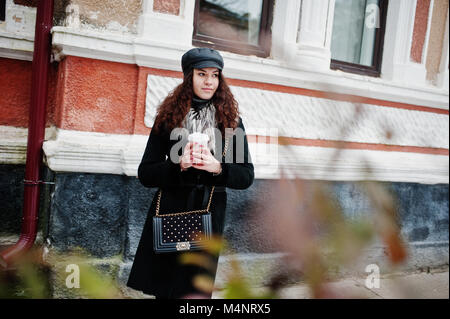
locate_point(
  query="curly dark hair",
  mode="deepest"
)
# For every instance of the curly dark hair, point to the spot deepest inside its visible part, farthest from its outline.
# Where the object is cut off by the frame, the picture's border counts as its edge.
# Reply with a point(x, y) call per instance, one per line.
point(177, 104)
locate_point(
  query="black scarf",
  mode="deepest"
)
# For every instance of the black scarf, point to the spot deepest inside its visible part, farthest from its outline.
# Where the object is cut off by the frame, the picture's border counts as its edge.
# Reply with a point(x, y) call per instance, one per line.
point(198, 104)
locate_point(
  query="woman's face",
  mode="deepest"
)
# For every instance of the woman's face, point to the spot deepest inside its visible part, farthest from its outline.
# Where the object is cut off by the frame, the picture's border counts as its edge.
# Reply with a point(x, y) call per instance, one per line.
point(205, 81)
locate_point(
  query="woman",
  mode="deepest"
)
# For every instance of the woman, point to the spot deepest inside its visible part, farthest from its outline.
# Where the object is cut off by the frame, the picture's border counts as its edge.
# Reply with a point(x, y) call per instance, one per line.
point(203, 103)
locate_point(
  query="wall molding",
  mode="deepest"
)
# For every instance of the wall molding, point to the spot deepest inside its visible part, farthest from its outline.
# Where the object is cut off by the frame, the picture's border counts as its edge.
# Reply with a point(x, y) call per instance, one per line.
point(397, 63)
point(314, 34)
point(14, 47)
point(121, 154)
point(13, 143)
point(87, 152)
point(167, 28)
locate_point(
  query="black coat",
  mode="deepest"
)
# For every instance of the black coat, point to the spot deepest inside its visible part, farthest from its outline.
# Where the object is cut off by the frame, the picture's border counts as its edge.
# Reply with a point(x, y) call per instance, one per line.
point(163, 275)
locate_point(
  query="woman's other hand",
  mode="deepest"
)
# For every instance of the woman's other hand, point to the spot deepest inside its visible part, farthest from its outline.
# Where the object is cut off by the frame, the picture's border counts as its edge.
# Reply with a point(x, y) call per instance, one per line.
point(204, 160)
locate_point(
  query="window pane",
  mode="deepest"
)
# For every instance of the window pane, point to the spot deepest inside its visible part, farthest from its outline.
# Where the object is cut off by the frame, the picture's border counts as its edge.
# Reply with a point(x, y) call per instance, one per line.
point(235, 20)
point(354, 29)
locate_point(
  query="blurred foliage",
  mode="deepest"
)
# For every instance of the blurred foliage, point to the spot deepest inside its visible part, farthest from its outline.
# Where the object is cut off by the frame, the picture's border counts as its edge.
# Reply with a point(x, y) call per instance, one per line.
point(27, 278)
point(238, 286)
point(39, 274)
point(308, 224)
point(306, 221)
point(320, 239)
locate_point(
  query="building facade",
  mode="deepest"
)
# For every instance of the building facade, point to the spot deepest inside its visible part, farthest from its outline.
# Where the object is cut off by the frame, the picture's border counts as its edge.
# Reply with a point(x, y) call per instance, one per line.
point(366, 79)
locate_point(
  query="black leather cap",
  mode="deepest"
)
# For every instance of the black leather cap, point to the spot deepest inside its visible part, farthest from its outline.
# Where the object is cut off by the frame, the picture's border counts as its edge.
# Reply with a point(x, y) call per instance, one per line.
point(201, 58)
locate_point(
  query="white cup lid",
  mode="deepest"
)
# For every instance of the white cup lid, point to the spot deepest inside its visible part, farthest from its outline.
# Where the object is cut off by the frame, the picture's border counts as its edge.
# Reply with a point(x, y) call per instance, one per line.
point(198, 137)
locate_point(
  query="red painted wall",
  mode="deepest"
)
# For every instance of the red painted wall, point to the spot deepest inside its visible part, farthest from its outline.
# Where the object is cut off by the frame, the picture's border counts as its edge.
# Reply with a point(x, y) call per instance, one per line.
point(167, 6)
point(15, 88)
point(15, 92)
point(84, 94)
point(420, 30)
point(96, 96)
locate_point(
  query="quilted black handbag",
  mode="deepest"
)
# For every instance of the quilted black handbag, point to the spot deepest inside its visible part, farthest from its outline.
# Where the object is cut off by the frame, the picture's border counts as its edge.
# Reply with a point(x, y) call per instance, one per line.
point(182, 231)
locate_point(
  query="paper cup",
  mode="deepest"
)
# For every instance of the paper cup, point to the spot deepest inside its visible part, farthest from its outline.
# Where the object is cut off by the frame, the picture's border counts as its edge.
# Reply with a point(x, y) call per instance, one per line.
point(199, 138)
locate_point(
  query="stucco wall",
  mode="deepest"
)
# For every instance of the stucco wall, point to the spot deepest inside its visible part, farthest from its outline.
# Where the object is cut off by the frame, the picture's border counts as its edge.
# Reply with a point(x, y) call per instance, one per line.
point(113, 15)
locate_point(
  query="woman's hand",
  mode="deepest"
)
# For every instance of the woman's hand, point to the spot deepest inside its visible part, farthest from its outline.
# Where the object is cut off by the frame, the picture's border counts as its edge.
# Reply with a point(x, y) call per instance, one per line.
point(186, 159)
point(204, 160)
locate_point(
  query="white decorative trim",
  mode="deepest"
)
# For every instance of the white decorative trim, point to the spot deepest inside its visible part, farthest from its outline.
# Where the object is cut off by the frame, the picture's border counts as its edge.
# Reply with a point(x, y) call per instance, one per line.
point(397, 65)
point(313, 46)
point(74, 151)
point(12, 47)
point(86, 152)
point(355, 165)
point(301, 116)
point(167, 28)
point(13, 143)
point(284, 29)
point(90, 44)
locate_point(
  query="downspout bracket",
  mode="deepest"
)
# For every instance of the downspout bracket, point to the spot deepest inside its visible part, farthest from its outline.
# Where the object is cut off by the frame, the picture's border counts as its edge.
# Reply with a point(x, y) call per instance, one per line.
point(34, 183)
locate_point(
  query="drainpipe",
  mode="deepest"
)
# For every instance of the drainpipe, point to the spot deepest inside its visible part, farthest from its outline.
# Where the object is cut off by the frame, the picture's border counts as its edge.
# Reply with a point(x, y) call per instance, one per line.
point(36, 133)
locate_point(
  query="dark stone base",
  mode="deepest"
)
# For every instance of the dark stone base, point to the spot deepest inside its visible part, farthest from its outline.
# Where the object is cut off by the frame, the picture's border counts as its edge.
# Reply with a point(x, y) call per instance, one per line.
point(104, 214)
point(11, 199)
point(89, 211)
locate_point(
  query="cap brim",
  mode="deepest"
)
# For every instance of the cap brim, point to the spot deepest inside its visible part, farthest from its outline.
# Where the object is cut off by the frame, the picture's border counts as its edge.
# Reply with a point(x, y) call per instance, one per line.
point(206, 64)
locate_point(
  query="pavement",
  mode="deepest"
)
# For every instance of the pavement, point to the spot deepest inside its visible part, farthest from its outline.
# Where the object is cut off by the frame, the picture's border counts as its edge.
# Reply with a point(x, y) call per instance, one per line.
point(432, 284)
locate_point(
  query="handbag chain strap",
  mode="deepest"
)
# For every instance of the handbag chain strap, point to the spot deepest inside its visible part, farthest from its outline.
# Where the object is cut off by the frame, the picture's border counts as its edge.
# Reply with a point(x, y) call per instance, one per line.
point(192, 211)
